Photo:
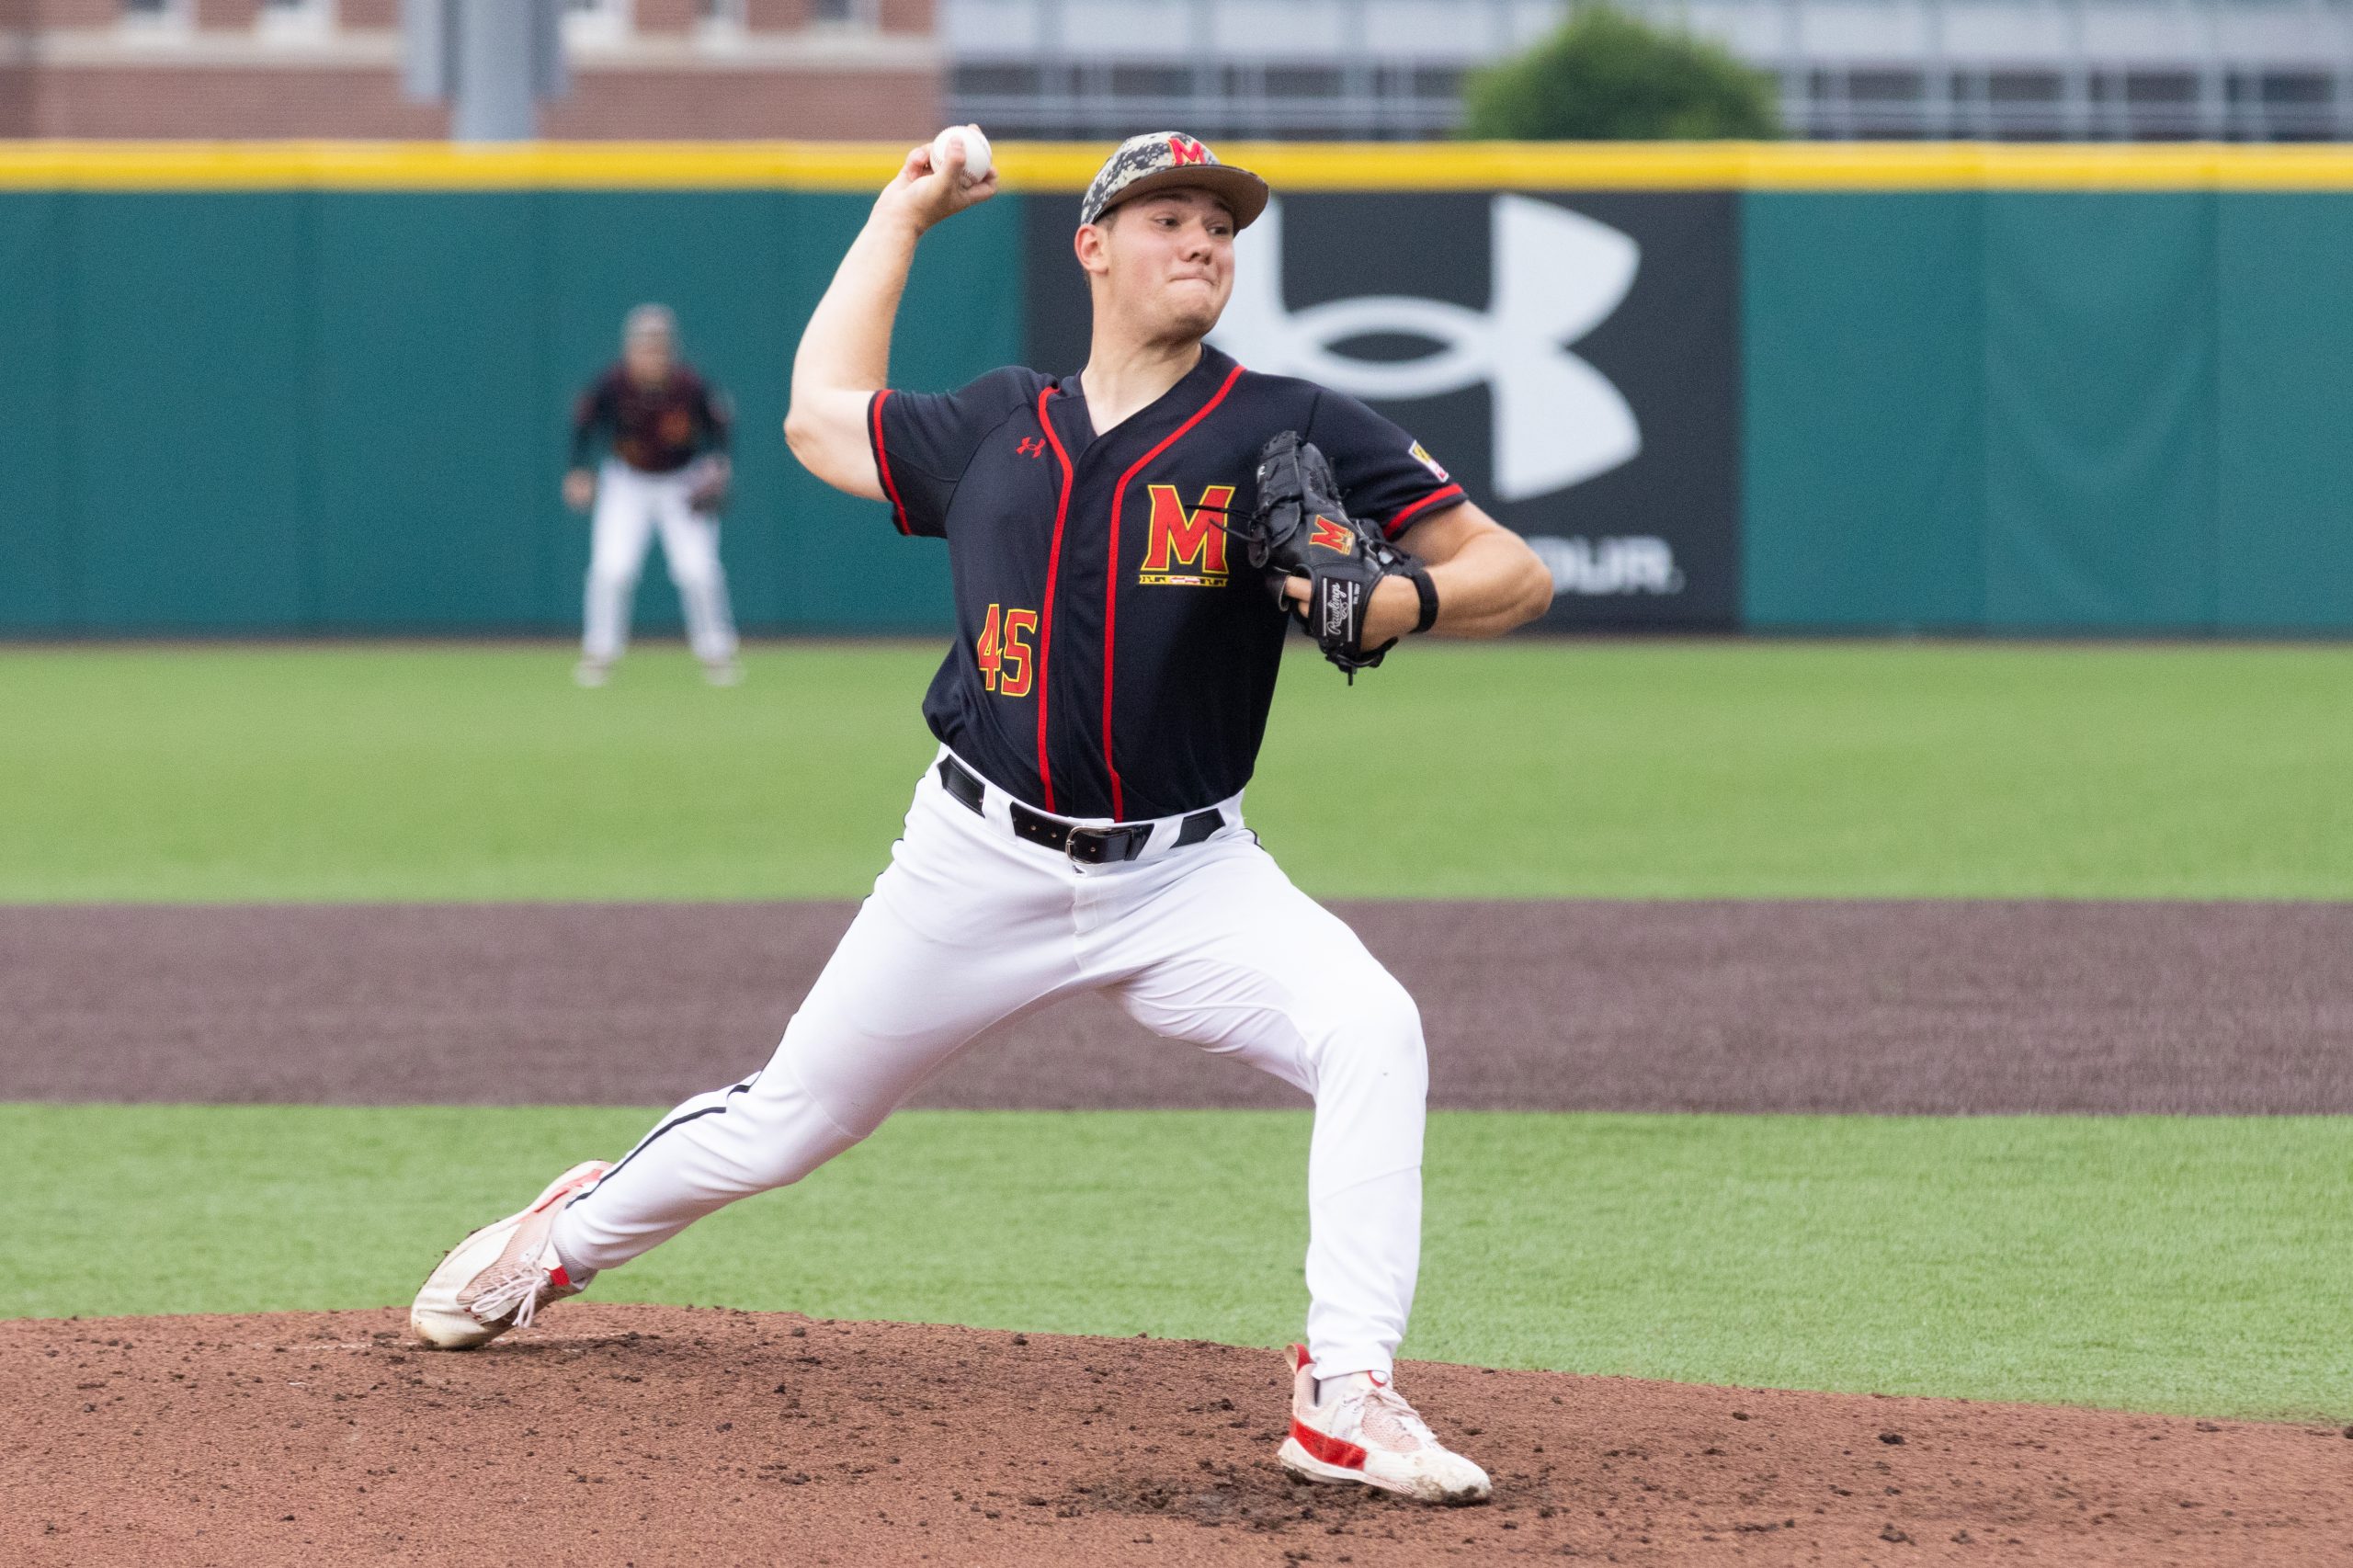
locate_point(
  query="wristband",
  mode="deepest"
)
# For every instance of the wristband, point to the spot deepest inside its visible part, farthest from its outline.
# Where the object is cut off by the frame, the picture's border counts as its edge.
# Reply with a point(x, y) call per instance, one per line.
point(1427, 591)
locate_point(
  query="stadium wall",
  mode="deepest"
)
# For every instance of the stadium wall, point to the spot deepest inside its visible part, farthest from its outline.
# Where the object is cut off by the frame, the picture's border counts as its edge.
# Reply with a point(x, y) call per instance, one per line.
point(2026, 411)
point(289, 389)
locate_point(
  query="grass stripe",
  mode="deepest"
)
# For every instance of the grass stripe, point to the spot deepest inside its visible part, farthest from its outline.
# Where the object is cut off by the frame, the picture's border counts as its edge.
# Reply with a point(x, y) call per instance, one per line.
point(2185, 1265)
point(1526, 770)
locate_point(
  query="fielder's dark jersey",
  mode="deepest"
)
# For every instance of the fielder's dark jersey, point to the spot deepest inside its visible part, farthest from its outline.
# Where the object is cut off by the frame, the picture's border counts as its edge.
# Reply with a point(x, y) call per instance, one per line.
point(1115, 654)
point(656, 429)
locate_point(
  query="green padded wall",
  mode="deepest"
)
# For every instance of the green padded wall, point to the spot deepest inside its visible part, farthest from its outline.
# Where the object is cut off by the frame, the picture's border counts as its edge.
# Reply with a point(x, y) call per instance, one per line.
point(429, 392)
point(306, 410)
point(1863, 461)
point(2049, 412)
point(2101, 418)
point(2284, 546)
point(36, 544)
point(317, 411)
point(187, 395)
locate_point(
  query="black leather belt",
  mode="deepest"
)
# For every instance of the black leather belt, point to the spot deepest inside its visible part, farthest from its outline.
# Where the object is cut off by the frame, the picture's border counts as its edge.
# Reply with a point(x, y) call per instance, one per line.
point(1088, 845)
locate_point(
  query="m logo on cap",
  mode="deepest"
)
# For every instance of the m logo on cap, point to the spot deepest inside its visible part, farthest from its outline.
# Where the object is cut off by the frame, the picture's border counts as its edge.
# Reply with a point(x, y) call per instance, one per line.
point(1157, 160)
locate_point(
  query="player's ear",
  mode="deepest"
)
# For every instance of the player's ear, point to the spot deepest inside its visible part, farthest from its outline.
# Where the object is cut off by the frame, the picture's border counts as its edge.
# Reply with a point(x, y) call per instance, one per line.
point(1091, 245)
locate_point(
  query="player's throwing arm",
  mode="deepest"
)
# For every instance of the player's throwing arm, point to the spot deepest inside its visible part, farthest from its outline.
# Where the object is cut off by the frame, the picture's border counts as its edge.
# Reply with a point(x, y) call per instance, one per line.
point(845, 355)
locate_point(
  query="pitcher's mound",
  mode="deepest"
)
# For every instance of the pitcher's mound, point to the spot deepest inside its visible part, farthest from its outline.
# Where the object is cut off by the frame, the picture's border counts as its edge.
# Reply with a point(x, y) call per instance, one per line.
point(658, 1435)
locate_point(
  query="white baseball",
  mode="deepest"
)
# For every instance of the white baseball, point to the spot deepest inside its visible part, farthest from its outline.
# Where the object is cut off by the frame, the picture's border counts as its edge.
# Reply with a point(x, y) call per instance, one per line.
point(976, 151)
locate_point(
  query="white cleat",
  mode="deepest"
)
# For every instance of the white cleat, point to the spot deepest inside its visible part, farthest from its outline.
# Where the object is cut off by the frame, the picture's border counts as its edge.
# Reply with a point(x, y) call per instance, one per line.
point(1364, 1433)
point(591, 672)
point(501, 1276)
point(723, 672)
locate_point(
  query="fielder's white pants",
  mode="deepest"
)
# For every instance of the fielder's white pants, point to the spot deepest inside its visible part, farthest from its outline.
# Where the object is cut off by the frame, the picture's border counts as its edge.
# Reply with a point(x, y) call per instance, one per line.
point(970, 925)
point(631, 504)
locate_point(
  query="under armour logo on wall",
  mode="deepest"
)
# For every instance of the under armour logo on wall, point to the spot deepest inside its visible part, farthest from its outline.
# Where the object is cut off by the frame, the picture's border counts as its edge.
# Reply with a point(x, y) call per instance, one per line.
point(1556, 276)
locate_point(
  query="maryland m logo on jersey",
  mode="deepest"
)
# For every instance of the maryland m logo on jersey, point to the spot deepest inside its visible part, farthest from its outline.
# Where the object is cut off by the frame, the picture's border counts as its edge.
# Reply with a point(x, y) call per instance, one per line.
point(1185, 549)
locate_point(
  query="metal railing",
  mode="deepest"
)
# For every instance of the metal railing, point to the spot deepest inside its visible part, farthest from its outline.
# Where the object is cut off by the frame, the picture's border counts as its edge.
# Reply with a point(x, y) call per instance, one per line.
point(2237, 70)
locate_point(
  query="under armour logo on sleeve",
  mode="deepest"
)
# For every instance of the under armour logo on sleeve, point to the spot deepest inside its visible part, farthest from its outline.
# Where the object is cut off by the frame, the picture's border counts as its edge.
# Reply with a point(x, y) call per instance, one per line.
point(1030, 446)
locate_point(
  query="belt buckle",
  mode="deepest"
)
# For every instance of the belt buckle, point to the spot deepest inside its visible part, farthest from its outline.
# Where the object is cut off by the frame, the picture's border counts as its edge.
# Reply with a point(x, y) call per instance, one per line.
point(1101, 837)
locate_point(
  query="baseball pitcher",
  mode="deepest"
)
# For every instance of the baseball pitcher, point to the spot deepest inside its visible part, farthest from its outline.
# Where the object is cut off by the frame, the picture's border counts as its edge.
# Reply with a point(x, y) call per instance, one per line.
point(665, 468)
point(1129, 546)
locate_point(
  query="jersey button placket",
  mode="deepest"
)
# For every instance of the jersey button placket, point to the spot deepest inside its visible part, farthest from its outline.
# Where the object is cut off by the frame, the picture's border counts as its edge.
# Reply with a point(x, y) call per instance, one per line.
point(1049, 668)
point(1114, 545)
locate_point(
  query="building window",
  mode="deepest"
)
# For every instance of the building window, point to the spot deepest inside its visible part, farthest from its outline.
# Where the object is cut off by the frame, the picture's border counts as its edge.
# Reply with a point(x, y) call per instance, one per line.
point(157, 17)
point(1295, 82)
point(295, 19)
point(591, 23)
point(719, 21)
point(1152, 82)
point(844, 12)
point(1000, 77)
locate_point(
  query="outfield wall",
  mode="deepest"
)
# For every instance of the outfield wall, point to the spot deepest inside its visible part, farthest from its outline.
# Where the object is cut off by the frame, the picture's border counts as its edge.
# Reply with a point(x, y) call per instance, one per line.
point(2024, 410)
point(320, 389)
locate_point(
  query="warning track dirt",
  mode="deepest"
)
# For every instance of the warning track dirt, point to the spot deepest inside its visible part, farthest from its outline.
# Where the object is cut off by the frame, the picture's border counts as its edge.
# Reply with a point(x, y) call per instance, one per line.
point(1933, 1007)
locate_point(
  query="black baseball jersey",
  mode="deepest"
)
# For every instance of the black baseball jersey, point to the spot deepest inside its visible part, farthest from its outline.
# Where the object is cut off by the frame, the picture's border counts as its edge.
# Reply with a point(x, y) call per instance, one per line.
point(1115, 653)
point(654, 429)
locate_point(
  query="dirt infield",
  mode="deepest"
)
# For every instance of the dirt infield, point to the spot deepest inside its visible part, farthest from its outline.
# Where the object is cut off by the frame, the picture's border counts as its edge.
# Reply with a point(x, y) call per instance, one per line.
point(1921, 1007)
point(650, 1434)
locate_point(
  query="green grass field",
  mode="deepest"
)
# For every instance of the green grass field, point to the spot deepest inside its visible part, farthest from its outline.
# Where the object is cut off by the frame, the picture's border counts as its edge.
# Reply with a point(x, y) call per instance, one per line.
point(2190, 1265)
point(1530, 769)
point(2168, 1263)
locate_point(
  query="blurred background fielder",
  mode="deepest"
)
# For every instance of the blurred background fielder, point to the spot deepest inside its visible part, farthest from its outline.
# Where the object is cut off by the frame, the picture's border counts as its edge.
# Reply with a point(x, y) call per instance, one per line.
point(667, 467)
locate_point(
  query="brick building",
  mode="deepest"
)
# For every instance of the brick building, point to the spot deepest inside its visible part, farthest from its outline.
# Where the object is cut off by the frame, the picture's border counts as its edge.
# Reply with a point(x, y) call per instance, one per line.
point(848, 69)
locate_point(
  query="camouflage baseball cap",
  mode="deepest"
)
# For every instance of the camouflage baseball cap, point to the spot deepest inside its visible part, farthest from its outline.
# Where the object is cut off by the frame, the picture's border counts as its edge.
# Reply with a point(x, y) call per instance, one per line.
point(1166, 160)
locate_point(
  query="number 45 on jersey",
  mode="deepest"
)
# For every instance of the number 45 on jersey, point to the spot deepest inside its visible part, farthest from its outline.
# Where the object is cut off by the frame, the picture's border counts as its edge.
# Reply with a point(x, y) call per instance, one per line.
point(1005, 651)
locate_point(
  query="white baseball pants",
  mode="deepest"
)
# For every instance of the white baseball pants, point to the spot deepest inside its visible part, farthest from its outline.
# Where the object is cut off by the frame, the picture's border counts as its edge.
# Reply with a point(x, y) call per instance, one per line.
point(970, 925)
point(631, 505)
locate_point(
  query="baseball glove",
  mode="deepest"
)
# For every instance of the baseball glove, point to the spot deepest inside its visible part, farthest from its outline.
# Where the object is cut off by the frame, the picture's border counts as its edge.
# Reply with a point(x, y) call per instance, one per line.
point(707, 486)
point(1300, 530)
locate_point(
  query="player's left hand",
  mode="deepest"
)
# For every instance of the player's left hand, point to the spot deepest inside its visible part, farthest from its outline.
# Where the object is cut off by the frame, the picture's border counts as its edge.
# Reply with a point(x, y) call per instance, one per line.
point(1324, 567)
point(1393, 612)
point(706, 483)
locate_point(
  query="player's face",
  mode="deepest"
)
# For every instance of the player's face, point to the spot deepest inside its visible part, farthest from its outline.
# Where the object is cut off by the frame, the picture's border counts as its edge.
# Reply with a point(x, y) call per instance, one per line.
point(1168, 262)
point(647, 354)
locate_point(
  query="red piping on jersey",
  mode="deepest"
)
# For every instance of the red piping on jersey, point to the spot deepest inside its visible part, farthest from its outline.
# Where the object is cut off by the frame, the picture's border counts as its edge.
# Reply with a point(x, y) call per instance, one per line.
point(1111, 576)
point(1397, 523)
point(1046, 619)
point(882, 465)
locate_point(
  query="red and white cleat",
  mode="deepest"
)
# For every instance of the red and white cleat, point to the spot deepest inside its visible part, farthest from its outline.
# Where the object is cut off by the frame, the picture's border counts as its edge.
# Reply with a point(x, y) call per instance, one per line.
point(501, 1276)
point(1364, 1432)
